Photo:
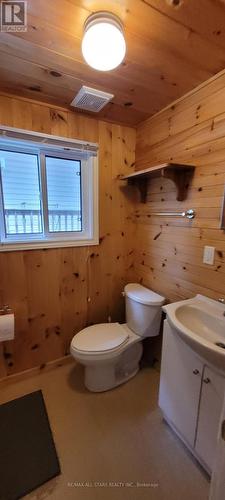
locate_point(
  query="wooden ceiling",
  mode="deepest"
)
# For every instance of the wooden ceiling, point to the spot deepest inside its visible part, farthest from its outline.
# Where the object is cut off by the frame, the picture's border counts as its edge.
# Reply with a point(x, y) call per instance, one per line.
point(172, 46)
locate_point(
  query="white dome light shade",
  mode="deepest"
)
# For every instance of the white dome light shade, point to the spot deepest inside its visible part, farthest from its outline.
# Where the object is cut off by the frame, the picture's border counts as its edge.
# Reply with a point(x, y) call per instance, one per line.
point(103, 44)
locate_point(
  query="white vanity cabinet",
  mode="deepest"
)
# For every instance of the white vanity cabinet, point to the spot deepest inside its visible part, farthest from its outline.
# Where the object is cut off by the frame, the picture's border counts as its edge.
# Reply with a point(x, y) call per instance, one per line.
point(190, 396)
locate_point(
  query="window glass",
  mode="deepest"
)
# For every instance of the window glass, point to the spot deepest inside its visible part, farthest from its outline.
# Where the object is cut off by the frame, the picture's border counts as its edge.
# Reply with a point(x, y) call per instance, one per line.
point(21, 193)
point(63, 178)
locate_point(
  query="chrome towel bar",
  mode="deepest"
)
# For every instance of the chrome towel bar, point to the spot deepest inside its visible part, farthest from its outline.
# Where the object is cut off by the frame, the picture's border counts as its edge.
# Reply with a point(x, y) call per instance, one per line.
point(189, 214)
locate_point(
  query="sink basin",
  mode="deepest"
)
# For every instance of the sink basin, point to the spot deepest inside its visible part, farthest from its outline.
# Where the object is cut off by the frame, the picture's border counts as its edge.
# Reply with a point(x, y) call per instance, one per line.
point(201, 324)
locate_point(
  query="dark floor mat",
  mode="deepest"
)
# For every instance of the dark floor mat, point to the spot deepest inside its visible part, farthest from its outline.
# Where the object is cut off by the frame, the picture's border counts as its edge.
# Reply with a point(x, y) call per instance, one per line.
point(27, 452)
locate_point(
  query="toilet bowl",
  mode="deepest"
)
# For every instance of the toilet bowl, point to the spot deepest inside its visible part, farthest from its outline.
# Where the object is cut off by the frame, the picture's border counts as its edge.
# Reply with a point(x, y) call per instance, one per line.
point(111, 352)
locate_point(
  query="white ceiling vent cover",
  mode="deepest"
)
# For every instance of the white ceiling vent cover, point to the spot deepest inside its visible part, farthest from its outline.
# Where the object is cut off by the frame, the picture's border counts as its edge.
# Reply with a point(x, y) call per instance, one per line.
point(90, 99)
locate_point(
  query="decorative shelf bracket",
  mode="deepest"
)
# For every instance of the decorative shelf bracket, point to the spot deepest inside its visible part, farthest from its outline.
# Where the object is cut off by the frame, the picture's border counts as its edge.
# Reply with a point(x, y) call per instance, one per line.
point(142, 185)
point(180, 174)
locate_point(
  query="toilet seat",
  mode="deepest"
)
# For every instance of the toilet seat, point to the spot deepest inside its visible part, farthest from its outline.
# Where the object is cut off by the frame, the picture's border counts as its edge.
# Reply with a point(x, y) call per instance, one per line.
point(104, 337)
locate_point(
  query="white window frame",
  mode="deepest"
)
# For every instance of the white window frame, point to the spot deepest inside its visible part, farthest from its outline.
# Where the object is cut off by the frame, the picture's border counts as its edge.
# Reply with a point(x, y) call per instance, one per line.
point(89, 235)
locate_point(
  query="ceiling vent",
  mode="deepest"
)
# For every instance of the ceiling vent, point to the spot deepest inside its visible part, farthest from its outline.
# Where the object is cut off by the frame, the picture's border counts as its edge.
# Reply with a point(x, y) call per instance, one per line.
point(90, 99)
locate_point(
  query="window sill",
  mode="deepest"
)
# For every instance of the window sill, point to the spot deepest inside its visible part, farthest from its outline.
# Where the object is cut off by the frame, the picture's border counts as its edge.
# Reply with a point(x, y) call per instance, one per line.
point(35, 245)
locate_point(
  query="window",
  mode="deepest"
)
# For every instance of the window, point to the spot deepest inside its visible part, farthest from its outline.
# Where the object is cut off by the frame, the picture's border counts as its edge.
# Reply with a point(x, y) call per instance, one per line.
point(48, 195)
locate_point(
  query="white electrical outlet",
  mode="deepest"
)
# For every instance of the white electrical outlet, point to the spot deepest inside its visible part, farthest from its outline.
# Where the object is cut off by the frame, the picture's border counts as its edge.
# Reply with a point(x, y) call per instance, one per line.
point(209, 255)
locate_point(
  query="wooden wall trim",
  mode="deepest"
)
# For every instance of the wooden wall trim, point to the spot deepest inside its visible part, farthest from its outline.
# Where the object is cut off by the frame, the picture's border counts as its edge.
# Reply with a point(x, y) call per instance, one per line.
point(37, 370)
point(34, 101)
point(66, 109)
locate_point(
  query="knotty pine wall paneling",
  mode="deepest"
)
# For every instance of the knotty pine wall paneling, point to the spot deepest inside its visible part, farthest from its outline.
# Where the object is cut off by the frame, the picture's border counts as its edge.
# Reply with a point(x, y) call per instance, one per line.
point(169, 251)
point(56, 292)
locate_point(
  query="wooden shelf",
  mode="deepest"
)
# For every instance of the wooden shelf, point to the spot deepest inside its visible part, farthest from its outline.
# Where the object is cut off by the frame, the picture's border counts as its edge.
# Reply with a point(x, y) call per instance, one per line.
point(179, 174)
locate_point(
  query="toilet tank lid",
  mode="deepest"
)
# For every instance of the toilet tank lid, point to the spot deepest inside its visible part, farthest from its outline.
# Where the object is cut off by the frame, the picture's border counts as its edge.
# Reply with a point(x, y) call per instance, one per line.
point(143, 295)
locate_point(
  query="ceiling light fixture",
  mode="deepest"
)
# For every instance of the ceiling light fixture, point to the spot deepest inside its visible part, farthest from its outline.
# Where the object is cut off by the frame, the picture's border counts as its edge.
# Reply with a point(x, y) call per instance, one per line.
point(103, 44)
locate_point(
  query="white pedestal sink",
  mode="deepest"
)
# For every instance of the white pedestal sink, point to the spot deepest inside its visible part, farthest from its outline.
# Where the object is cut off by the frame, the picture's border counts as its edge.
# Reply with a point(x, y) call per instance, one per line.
point(201, 324)
point(192, 377)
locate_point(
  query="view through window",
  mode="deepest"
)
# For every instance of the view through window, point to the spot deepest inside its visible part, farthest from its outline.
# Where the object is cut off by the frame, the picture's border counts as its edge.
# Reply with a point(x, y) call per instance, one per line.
point(46, 194)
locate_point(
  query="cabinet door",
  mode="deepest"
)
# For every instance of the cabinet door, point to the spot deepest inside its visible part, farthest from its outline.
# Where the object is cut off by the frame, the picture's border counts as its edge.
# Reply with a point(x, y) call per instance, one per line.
point(217, 483)
point(180, 384)
point(211, 402)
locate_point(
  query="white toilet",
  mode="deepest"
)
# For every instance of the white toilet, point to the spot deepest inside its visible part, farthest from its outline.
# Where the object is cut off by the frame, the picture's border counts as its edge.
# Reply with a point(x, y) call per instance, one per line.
point(111, 352)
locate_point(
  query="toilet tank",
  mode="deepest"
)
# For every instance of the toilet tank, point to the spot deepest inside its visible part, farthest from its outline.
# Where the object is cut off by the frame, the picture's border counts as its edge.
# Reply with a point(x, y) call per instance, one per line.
point(143, 310)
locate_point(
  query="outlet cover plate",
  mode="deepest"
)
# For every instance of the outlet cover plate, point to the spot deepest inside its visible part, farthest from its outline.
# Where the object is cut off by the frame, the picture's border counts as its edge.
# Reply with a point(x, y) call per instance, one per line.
point(209, 255)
